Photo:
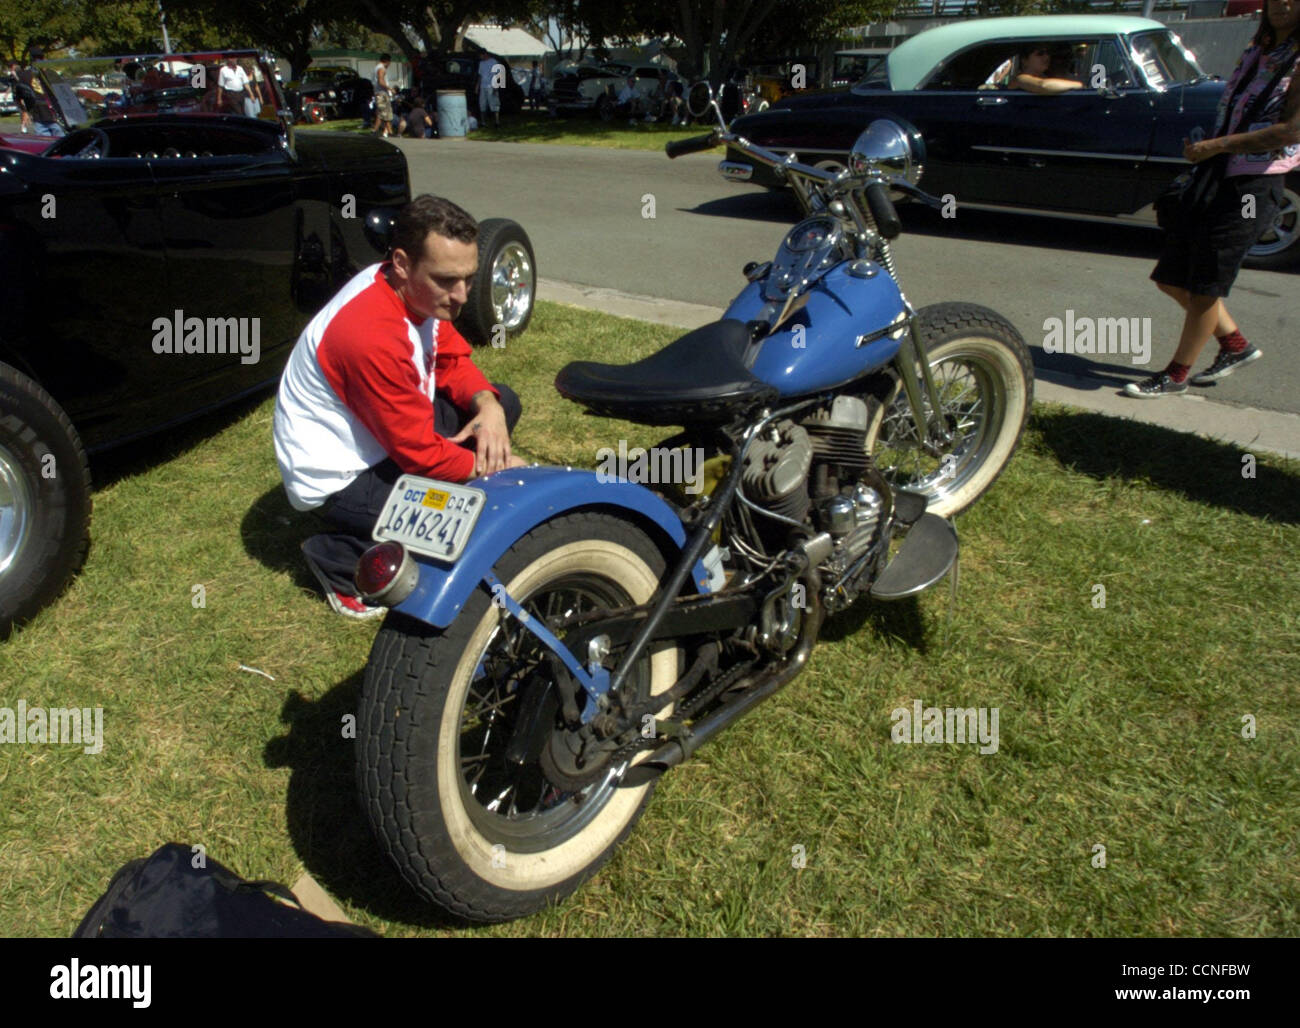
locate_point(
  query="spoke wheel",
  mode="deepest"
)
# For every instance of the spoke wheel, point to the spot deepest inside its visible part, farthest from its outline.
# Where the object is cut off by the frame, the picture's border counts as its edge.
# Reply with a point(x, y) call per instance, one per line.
point(442, 712)
point(984, 378)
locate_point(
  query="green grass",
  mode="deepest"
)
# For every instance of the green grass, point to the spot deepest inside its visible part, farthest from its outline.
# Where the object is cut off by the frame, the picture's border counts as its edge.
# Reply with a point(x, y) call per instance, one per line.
point(578, 130)
point(1118, 726)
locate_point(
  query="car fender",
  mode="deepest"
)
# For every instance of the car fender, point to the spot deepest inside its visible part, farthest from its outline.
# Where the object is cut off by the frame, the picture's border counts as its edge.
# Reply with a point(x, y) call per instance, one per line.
point(517, 501)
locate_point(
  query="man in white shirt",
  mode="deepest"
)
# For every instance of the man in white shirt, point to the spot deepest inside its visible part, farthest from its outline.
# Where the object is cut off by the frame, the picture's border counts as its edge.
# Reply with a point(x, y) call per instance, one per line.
point(235, 90)
point(487, 90)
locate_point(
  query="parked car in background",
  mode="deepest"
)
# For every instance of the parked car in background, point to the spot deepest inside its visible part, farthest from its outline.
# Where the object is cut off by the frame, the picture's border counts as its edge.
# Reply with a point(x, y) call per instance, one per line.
point(326, 92)
point(1106, 150)
point(8, 102)
point(161, 262)
point(460, 71)
point(852, 66)
point(594, 88)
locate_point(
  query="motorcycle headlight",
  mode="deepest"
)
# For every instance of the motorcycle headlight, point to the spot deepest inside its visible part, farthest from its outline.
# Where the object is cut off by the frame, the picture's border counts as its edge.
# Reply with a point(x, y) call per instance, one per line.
point(887, 146)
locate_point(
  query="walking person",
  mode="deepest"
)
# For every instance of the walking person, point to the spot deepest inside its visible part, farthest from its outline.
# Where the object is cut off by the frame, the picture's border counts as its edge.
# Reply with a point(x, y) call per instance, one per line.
point(383, 98)
point(1255, 142)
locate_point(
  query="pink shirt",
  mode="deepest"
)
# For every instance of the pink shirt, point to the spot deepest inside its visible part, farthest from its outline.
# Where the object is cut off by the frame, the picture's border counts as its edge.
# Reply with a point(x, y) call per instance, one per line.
point(1275, 162)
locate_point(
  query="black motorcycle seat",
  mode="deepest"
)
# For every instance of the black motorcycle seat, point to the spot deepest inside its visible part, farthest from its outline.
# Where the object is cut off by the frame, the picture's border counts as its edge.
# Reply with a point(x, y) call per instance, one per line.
point(700, 377)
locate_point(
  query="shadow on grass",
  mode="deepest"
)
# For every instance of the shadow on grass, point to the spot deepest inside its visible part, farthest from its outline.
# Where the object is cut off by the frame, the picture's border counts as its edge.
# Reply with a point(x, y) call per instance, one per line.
point(1201, 470)
point(144, 454)
point(326, 824)
point(272, 531)
point(900, 619)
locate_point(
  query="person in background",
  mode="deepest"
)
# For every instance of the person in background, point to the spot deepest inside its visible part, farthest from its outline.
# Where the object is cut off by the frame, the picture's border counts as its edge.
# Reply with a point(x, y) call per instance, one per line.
point(234, 87)
point(487, 89)
point(1035, 65)
point(536, 87)
point(1203, 252)
point(383, 98)
point(630, 103)
point(38, 112)
point(416, 123)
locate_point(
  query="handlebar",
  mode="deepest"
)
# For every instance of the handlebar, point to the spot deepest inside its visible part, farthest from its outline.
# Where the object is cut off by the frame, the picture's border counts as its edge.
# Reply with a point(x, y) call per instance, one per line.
point(681, 147)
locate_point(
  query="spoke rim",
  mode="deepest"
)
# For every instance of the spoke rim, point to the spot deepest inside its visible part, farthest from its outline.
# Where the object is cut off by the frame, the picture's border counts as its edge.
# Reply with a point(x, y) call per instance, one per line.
point(973, 400)
point(519, 807)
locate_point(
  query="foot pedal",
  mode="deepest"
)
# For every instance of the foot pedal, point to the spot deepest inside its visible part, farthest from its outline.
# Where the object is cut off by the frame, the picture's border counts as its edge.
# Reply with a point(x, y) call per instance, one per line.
point(908, 506)
point(926, 556)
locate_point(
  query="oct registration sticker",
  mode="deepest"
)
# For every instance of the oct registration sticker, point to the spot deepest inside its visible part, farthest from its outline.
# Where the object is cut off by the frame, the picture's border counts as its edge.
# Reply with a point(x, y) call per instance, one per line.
point(430, 517)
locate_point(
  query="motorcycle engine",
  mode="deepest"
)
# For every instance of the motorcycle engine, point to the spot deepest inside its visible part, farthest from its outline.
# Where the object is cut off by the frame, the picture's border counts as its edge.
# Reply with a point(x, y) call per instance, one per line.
point(775, 474)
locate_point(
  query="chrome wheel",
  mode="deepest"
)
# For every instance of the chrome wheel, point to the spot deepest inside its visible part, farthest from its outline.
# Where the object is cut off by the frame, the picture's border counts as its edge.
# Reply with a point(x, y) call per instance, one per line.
point(513, 284)
point(15, 509)
point(972, 397)
point(1284, 233)
point(985, 381)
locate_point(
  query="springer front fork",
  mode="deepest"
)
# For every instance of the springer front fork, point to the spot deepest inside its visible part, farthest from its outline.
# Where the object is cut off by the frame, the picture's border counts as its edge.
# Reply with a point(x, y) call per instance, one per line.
point(931, 426)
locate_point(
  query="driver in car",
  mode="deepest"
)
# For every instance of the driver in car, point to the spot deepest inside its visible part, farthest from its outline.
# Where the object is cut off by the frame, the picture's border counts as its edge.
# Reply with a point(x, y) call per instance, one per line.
point(379, 384)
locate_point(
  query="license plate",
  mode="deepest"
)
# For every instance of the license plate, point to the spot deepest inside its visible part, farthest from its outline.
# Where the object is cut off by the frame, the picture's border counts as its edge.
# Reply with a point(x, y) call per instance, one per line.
point(430, 517)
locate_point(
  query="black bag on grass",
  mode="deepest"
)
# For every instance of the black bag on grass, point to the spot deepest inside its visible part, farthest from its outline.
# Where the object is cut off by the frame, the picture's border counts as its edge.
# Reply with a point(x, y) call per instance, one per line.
point(164, 896)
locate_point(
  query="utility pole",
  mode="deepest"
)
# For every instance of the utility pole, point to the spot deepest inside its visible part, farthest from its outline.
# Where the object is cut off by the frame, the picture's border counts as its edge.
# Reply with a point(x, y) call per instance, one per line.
point(162, 20)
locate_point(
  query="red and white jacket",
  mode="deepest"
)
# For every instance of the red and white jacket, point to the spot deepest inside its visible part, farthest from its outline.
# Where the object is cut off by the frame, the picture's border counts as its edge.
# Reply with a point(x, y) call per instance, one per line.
point(359, 387)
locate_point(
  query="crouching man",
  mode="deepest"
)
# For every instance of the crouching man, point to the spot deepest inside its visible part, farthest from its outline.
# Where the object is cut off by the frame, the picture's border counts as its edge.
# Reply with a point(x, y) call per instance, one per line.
point(379, 384)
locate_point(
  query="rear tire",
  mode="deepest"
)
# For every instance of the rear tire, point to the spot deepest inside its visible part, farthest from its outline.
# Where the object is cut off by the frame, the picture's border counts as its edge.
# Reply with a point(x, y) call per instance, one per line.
point(44, 499)
point(1279, 245)
point(437, 709)
point(985, 378)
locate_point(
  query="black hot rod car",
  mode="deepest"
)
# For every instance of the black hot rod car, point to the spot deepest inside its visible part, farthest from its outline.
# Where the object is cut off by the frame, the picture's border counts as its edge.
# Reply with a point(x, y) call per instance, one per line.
point(174, 216)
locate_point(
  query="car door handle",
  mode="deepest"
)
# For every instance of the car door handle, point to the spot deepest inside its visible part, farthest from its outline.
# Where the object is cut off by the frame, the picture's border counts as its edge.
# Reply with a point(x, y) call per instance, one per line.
point(991, 101)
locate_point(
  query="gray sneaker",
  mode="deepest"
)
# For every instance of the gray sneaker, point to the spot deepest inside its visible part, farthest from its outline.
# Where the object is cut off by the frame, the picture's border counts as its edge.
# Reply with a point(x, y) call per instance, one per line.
point(1154, 387)
point(1225, 364)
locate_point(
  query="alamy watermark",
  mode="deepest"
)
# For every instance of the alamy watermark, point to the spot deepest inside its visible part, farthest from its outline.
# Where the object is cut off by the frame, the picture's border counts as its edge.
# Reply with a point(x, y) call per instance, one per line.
point(948, 725)
point(81, 726)
point(1098, 335)
point(659, 465)
point(179, 334)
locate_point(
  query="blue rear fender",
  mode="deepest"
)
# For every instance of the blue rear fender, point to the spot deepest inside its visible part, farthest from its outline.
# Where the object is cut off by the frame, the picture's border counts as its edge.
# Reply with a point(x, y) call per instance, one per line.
point(519, 500)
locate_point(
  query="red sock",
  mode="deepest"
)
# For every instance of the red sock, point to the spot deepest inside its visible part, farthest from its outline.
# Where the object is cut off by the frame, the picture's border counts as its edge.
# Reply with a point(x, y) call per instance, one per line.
point(1178, 372)
point(1233, 342)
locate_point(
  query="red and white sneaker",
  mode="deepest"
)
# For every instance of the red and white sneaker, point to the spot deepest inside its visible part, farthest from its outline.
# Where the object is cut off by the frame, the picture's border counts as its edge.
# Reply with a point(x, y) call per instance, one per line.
point(343, 603)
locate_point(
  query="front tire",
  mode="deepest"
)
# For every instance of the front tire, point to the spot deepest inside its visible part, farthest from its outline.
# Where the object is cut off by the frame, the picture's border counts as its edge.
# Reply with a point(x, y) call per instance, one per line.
point(486, 839)
point(985, 379)
point(504, 290)
point(44, 499)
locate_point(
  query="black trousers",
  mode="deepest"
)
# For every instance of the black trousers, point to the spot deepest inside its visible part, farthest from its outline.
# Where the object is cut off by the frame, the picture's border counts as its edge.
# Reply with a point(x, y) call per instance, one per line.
point(352, 511)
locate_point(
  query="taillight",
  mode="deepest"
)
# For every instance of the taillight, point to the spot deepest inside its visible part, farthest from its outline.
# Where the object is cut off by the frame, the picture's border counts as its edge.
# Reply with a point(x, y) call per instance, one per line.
point(386, 574)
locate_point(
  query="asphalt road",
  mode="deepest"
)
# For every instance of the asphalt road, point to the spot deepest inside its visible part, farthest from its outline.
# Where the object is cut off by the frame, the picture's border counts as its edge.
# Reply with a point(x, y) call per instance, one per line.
point(639, 223)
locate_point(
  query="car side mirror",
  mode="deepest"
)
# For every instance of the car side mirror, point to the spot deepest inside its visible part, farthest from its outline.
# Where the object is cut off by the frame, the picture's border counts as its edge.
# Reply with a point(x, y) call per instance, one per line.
point(700, 100)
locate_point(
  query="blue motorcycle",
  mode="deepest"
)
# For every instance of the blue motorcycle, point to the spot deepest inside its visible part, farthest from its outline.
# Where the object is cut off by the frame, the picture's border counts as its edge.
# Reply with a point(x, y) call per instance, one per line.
point(559, 639)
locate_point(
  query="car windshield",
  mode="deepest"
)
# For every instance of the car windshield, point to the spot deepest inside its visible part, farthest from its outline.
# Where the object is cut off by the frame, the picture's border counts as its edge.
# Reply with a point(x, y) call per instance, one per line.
point(1164, 59)
point(84, 90)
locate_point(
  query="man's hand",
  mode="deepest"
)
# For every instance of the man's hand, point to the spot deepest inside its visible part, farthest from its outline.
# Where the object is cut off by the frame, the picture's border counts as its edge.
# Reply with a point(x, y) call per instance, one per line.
point(487, 427)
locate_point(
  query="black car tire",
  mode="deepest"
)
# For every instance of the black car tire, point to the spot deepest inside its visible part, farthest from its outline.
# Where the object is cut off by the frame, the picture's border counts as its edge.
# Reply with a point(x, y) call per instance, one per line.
point(505, 285)
point(1280, 245)
point(44, 499)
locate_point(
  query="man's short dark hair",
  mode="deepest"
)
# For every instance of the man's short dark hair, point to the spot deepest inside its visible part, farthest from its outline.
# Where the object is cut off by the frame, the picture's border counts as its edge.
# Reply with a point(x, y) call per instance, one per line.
point(427, 214)
point(384, 57)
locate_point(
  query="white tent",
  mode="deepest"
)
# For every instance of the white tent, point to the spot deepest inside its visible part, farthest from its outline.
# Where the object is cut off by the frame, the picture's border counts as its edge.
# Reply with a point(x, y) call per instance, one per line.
point(506, 42)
